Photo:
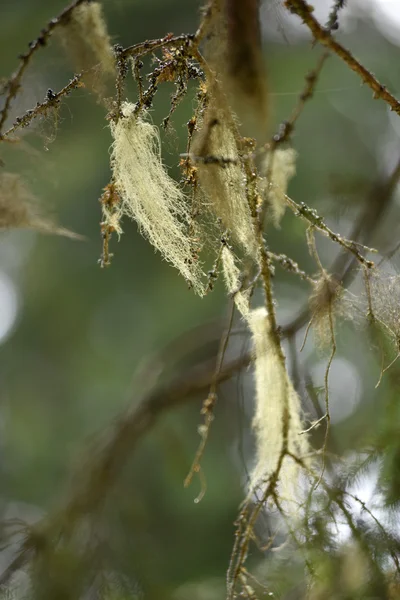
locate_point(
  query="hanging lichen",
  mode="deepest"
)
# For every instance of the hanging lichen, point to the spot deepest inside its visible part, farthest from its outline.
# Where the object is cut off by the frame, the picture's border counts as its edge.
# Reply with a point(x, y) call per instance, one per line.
point(234, 283)
point(233, 49)
point(222, 178)
point(328, 301)
point(277, 409)
point(149, 195)
point(86, 40)
point(19, 209)
point(279, 168)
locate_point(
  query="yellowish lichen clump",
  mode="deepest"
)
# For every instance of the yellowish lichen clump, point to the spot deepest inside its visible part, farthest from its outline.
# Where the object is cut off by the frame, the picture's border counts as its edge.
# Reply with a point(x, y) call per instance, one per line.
point(233, 50)
point(279, 167)
point(223, 181)
point(277, 403)
point(232, 276)
point(149, 195)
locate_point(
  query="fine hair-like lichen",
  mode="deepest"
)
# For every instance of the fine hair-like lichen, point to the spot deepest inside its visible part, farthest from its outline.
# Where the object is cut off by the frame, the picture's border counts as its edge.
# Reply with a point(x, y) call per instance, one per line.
point(222, 178)
point(235, 177)
point(280, 168)
point(276, 401)
point(234, 283)
point(149, 195)
point(87, 42)
point(19, 208)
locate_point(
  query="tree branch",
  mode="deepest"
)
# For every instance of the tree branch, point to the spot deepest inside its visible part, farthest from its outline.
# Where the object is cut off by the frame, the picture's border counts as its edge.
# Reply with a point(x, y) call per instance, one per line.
point(95, 480)
point(51, 101)
point(12, 86)
point(323, 36)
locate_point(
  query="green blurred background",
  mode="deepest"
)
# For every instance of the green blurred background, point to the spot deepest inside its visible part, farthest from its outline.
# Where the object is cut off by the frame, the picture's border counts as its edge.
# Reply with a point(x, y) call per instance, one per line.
point(81, 344)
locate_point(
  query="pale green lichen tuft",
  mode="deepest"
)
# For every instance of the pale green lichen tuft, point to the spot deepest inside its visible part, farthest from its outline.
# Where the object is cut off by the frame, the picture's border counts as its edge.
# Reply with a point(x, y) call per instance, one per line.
point(279, 168)
point(234, 284)
point(149, 195)
point(222, 178)
point(87, 43)
point(276, 401)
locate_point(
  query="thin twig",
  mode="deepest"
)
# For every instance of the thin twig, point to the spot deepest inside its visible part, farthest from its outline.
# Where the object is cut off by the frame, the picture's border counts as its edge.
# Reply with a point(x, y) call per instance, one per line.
point(209, 403)
point(286, 128)
point(242, 541)
point(51, 101)
point(13, 85)
point(365, 508)
point(291, 266)
point(324, 37)
point(326, 388)
point(332, 23)
point(375, 206)
point(311, 216)
point(325, 278)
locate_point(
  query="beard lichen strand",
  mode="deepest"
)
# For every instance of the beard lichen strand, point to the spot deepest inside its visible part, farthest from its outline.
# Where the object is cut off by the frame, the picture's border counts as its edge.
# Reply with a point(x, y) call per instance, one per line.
point(279, 168)
point(223, 182)
point(232, 48)
point(232, 276)
point(278, 420)
point(86, 40)
point(149, 195)
point(20, 209)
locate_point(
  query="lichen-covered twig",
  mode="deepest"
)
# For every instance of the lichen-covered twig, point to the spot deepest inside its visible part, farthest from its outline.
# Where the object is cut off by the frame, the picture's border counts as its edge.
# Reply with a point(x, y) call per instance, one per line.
point(52, 101)
point(324, 37)
point(332, 23)
point(123, 57)
point(290, 266)
point(375, 205)
point(311, 216)
point(13, 85)
point(148, 46)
